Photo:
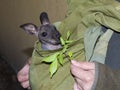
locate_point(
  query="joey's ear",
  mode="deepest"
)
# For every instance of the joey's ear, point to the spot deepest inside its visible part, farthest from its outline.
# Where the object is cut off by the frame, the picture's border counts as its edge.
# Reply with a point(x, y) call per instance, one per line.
point(44, 18)
point(29, 28)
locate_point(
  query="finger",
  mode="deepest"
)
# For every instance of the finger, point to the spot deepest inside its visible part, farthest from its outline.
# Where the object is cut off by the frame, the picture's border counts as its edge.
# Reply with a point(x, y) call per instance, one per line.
point(83, 65)
point(78, 72)
point(79, 83)
point(75, 87)
point(25, 84)
point(24, 70)
point(22, 78)
point(81, 76)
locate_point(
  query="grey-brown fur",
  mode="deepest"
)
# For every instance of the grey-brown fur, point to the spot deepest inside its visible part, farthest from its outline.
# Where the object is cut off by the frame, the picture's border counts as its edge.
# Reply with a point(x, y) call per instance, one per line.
point(47, 33)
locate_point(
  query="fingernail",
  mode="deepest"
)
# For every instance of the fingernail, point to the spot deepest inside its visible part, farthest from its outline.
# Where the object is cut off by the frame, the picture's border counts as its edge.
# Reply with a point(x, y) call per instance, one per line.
point(73, 62)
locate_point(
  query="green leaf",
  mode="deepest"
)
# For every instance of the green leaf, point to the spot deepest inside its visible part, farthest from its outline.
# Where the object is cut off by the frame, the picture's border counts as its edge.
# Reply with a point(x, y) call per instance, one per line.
point(65, 48)
point(51, 58)
point(53, 67)
point(62, 41)
point(69, 41)
point(60, 58)
point(68, 34)
point(70, 54)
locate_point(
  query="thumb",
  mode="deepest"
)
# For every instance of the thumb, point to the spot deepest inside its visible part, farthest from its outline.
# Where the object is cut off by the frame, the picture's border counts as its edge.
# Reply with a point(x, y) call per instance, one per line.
point(83, 65)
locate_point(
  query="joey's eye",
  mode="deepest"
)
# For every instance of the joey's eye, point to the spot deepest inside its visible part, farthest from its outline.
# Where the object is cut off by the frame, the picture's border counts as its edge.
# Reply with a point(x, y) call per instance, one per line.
point(44, 34)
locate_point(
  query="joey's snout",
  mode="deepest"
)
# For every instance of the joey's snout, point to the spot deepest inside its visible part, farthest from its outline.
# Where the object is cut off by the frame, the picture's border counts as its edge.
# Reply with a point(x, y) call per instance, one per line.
point(57, 38)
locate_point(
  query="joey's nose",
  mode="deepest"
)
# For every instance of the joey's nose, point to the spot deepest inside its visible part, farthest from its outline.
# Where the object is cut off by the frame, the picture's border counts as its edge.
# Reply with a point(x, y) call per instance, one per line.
point(57, 38)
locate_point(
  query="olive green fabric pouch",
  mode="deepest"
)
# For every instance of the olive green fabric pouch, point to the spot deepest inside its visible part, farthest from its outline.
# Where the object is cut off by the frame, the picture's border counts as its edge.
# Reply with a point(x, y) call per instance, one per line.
point(82, 16)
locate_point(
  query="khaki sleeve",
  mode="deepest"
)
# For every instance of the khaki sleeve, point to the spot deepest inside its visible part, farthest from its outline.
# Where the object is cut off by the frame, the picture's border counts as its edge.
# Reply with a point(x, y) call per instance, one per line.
point(106, 78)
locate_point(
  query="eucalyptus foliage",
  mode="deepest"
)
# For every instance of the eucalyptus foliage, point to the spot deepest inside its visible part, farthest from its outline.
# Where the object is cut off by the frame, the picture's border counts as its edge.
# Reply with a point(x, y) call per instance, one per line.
point(58, 57)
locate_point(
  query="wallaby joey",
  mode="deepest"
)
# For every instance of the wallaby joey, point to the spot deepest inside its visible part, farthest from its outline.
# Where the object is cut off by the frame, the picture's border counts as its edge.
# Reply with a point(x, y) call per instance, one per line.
point(47, 33)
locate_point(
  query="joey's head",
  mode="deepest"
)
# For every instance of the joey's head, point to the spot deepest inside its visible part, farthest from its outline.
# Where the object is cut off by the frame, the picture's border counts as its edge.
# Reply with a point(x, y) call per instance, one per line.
point(47, 33)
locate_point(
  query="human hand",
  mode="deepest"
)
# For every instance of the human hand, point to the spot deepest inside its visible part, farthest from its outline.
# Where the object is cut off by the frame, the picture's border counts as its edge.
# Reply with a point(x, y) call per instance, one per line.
point(83, 73)
point(23, 76)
